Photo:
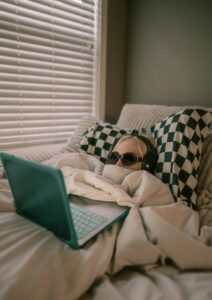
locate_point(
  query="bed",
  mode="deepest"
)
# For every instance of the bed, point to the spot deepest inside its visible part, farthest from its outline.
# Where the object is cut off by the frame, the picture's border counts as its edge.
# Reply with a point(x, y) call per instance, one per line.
point(162, 250)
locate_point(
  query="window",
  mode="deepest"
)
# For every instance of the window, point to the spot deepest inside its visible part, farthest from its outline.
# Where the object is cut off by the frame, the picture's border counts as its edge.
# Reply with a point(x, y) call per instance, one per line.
point(48, 69)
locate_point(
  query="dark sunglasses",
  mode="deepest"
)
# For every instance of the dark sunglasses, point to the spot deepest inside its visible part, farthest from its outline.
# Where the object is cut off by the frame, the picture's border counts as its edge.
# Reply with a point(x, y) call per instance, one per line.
point(127, 159)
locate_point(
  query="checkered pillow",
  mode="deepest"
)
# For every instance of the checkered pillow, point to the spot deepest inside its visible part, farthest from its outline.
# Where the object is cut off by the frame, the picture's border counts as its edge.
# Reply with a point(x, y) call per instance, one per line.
point(179, 140)
point(99, 139)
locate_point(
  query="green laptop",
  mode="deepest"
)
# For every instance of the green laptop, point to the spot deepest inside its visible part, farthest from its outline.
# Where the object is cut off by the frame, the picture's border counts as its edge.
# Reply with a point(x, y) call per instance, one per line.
point(40, 195)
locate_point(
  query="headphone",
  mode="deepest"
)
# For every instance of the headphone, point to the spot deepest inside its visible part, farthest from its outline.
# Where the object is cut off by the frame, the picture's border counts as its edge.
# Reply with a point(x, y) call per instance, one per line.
point(150, 158)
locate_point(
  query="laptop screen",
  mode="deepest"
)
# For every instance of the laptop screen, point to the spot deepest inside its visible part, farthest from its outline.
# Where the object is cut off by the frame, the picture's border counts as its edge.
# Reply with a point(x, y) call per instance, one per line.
point(36, 188)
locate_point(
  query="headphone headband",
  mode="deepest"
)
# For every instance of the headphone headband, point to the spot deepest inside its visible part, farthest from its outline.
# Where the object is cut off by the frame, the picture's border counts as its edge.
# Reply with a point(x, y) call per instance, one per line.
point(150, 158)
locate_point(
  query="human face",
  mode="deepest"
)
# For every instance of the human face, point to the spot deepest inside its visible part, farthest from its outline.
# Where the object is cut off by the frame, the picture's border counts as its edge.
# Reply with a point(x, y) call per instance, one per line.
point(132, 145)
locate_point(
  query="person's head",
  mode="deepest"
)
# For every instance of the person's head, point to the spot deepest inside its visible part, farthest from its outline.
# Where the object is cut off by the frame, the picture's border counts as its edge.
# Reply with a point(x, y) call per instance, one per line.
point(133, 152)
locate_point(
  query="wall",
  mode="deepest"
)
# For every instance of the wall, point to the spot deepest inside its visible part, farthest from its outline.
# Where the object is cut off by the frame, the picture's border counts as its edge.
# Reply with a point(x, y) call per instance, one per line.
point(115, 60)
point(169, 52)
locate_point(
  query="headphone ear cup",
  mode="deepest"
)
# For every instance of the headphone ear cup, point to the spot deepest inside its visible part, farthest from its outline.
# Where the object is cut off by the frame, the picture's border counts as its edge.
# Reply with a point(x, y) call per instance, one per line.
point(149, 162)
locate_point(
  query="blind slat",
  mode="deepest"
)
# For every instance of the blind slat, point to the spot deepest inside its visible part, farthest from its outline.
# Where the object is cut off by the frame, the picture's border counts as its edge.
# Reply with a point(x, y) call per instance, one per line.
point(46, 102)
point(45, 12)
point(33, 137)
point(48, 23)
point(44, 116)
point(47, 66)
point(44, 86)
point(34, 56)
point(43, 109)
point(40, 37)
point(10, 48)
point(49, 69)
point(44, 94)
point(9, 34)
point(16, 143)
point(9, 125)
point(14, 69)
point(29, 79)
point(8, 133)
point(43, 37)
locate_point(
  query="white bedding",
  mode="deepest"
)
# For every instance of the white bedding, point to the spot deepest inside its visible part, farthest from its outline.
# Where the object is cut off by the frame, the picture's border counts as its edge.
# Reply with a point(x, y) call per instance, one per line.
point(149, 255)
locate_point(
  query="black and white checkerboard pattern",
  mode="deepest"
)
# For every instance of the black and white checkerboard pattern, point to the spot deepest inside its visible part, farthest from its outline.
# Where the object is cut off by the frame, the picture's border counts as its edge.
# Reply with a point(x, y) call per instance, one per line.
point(179, 141)
point(99, 139)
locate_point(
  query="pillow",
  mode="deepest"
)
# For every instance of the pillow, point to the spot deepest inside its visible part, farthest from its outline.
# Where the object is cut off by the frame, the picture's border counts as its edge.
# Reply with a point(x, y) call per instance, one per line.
point(99, 139)
point(73, 143)
point(146, 115)
point(204, 193)
point(179, 140)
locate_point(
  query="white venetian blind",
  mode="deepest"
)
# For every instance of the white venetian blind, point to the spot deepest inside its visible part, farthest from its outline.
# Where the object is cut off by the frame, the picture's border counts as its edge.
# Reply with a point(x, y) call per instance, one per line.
point(48, 68)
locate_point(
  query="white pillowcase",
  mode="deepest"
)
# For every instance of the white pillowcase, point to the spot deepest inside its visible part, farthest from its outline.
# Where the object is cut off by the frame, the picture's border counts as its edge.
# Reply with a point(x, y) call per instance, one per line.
point(73, 143)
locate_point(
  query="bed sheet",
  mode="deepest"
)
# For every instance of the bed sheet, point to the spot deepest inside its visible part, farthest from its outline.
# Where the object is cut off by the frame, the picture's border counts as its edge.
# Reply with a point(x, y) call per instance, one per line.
point(147, 256)
point(36, 265)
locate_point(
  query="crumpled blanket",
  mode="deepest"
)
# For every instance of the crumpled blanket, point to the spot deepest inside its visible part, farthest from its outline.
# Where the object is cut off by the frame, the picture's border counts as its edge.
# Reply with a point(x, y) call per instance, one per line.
point(86, 176)
point(157, 232)
point(156, 226)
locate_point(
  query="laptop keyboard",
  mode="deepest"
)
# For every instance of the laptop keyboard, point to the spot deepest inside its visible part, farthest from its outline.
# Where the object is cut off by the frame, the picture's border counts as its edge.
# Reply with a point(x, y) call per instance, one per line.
point(85, 221)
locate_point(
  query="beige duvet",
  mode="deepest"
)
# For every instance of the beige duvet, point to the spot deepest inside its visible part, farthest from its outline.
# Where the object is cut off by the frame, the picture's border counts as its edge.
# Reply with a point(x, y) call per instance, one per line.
point(157, 252)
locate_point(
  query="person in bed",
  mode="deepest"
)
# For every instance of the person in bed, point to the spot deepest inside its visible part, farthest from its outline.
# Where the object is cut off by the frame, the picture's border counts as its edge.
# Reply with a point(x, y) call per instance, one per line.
point(131, 164)
point(135, 152)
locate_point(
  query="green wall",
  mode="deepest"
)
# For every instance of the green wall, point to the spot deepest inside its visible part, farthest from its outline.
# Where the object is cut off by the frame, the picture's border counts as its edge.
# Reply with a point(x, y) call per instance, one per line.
point(169, 52)
point(115, 66)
